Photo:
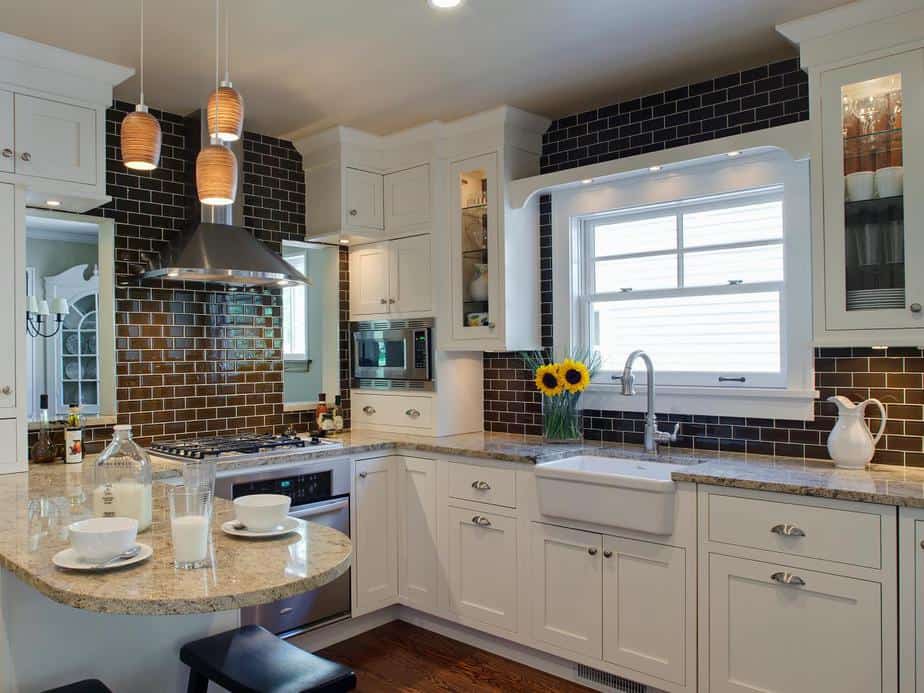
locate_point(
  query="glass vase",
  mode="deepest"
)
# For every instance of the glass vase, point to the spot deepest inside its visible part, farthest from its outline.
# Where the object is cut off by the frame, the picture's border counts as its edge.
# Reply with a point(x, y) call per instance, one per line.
point(561, 419)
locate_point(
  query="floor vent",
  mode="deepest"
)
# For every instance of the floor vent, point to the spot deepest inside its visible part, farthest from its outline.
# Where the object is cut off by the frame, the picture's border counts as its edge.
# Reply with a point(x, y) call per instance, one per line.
point(602, 678)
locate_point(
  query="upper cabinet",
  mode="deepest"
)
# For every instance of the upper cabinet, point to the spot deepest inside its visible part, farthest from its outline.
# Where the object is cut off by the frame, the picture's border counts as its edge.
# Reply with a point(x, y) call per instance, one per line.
point(363, 200)
point(391, 279)
point(407, 199)
point(866, 83)
point(52, 123)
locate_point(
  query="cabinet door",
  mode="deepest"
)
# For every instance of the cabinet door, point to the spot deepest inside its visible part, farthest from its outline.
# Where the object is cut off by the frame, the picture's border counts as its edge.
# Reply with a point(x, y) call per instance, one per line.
point(873, 173)
point(363, 200)
point(55, 140)
point(410, 279)
point(764, 635)
point(407, 198)
point(483, 567)
point(376, 539)
point(644, 607)
point(418, 567)
point(474, 248)
point(567, 588)
point(8, 291)
point(369, 289)
point(7, 143)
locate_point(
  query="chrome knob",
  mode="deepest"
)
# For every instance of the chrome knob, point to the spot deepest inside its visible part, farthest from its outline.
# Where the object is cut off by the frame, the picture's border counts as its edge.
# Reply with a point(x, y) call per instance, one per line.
point(413, 413)
point(481, 521)
point(607, 554)
point(7, 153)
point(787, 530)
point(353, 212)
point(481, 485)
point(491, 325)
point(25, 156)
point(383, 301)
point(370, 410)
point(592, 551)
point(787, 579)
point(363, 475)
point(915, 307)
point(391, 300)
point(7, 390)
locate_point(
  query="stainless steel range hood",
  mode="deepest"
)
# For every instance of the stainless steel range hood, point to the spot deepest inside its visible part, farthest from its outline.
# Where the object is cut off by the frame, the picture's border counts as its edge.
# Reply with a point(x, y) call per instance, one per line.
point(214, 250)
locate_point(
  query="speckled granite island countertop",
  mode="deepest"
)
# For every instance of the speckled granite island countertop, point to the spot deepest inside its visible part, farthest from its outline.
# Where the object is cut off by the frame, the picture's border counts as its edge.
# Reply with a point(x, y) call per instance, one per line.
point(36, 507)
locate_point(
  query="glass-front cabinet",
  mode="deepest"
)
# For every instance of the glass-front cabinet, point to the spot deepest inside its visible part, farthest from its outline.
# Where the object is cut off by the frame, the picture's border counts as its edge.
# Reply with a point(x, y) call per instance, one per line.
point(474, 247)
point(873, 208)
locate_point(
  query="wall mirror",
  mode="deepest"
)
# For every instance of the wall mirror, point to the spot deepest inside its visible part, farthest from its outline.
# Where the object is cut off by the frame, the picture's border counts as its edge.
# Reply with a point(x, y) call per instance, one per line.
point(310, 326)
point(70, 258)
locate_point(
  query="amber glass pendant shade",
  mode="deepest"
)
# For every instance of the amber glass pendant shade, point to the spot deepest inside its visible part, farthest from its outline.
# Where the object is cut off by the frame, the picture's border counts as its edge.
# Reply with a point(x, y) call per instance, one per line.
point(226, 113)
point(141, 137)
point(216, 175)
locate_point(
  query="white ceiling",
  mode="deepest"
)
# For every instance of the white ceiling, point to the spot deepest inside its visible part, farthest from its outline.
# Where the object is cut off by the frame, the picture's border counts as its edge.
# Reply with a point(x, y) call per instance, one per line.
point(383, 65)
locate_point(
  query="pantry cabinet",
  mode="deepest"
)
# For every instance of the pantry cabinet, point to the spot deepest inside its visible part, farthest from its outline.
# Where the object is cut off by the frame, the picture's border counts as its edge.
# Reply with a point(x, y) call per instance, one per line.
point(418, 561)
point(375, 536)
point(391, 279)
point(911, 591)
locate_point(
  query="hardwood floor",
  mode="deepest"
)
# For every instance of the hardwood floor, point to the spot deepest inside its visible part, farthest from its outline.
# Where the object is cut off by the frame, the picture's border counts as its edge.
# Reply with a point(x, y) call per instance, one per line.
point(402, 657)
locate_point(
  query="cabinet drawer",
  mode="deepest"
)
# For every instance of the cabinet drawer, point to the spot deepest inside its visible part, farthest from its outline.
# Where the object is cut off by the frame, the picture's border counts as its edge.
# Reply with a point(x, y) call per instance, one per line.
point(483, 484)
point(842, 536)
point(375, 409)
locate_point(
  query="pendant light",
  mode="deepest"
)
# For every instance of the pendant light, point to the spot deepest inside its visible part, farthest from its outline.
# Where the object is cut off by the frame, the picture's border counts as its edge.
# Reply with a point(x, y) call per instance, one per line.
point(216, 165)
point(227, 122)
point(140, 131)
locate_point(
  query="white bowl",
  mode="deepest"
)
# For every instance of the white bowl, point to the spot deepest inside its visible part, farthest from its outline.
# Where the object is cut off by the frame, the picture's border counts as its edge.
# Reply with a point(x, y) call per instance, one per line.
point(859, 186)
point(889, 181)
point(101, 538)
point(262, 511)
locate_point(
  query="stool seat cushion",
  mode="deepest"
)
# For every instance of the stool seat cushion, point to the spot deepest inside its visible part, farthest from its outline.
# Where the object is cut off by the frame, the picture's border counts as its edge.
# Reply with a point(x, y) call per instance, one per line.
point(251, 658)
point(86, 686)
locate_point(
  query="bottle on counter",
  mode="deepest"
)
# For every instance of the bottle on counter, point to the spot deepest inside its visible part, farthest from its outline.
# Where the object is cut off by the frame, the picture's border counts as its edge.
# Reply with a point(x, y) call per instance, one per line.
point(73, 436)
point(322, 407)
point(122, 480)
point(43, 450)
point(338, 413)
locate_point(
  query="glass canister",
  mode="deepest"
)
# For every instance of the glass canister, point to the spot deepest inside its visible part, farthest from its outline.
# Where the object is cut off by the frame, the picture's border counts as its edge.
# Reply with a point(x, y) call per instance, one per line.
point(122, 480)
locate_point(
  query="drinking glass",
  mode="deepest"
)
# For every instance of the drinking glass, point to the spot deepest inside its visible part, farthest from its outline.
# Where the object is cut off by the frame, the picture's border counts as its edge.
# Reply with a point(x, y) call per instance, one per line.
point(200, 474)
point(190, 515)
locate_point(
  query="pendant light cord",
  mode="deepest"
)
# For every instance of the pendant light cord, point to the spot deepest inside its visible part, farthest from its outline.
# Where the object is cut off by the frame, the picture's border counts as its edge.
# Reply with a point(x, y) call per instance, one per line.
point(142, 52)
point(217, 60)
point(227, 45)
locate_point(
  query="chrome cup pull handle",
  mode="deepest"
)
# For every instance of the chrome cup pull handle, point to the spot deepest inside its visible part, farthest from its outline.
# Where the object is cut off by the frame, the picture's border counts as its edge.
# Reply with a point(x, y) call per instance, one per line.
point(787, 579)
point(481, 521)
point(7, 153)
point(362, 475)
point(592, 551)
point(413, 413)
point(370, 410)
point(481, 485)
point(787, 530)
point(25, 156)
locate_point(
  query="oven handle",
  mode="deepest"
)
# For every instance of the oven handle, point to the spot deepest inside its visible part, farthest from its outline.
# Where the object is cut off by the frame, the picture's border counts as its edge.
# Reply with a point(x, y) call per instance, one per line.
point(322, 508)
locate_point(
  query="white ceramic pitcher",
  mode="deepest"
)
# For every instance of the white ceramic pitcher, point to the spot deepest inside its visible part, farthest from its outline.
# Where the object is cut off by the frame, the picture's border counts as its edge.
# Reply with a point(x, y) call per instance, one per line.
point(850, 444)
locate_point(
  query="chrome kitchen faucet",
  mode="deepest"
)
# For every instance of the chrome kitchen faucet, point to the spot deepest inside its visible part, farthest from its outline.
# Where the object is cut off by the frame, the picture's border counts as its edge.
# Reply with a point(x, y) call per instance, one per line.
point(653, 437)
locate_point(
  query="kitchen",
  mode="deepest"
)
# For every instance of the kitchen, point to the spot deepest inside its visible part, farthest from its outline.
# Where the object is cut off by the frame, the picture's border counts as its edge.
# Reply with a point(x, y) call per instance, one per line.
point(360, 376)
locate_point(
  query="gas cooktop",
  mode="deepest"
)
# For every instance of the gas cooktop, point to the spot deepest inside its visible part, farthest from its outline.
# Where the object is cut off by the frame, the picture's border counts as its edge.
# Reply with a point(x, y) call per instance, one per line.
point(244, 444)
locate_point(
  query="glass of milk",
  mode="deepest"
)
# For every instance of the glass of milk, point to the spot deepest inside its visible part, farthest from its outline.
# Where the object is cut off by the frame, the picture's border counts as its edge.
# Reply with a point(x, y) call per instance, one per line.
point(190, 516)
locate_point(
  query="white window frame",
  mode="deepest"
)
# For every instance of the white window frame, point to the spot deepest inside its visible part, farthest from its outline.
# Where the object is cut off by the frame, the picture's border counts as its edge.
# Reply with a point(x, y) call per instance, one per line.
point(296, 356)
point(643, 191)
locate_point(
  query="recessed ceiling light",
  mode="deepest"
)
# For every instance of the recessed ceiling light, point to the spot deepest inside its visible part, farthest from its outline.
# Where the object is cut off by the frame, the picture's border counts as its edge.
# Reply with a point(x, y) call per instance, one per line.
point(53, 203)
point(173, 273)
point(880, 347)
point(654, 169)
point(345, 241)
point(283, 282)
point(587, 181)
point(736, 153)
point(444, 4)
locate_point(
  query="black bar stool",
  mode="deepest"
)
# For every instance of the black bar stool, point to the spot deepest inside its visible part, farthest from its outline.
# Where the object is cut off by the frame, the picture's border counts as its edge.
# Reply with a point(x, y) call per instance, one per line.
point(250, 659)
point(85, 686)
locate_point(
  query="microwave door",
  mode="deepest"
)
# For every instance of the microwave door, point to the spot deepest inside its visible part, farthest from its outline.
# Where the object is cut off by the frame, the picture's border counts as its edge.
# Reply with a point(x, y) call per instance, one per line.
point(381, 354)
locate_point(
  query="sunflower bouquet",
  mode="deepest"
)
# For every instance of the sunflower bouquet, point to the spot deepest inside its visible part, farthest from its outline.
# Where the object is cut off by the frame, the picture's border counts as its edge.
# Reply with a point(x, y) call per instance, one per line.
point(561, 384)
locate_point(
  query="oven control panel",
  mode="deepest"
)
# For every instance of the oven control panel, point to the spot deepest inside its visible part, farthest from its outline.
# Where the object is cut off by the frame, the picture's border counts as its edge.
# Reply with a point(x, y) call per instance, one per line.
point(421, 349)
point(302, 488)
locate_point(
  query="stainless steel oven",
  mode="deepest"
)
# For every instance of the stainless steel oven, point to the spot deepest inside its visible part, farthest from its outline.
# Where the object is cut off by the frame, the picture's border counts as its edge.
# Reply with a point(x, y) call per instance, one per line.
point(320, 493)
point(386, 353)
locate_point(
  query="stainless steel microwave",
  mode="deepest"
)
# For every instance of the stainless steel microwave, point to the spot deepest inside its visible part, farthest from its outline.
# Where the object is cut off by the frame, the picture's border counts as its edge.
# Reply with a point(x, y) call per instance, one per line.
point(392, 354)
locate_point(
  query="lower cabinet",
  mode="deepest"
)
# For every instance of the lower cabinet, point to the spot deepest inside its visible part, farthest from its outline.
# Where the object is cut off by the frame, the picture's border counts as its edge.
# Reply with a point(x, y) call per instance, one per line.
point(418, 560)
point(782, 630)
point(482, 567)
point(619, 600)
point(911, 591)
point(375, 537)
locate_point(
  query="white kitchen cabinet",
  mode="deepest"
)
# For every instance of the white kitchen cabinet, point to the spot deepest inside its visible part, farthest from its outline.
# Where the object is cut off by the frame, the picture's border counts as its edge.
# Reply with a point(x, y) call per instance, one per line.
point(376, 533)
point(418, 561)
point(9, 312)
point(391, 278)
point(911, 591)
point(7, 141)
point(567, 588)
point(820, 632)
point(644, 607)
point(482, 567)
point(363, 199)
point(55, 140)
point(407, 199)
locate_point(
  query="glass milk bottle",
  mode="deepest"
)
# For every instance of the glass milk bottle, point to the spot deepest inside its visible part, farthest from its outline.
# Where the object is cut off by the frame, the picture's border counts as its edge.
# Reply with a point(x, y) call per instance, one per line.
point(122, 480)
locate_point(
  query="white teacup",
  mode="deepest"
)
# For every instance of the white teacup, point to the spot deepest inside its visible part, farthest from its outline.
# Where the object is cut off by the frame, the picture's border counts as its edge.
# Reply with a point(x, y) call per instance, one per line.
point(889, 181)
point(261, 512)
point(102, 538)
point(859, 185)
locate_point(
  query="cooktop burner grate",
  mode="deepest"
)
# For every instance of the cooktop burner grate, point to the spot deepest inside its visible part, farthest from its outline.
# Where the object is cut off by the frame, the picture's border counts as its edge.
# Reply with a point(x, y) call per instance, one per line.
point(199, 448)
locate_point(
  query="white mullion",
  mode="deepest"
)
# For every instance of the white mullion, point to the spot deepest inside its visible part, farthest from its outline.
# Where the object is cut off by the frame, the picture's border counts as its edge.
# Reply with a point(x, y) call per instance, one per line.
point(721, 289)
point(693, 249)
point(680, 249)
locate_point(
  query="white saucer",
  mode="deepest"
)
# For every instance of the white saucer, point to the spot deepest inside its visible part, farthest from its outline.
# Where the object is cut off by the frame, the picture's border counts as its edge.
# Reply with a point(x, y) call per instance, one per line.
point(287, 525)
point(68, 559)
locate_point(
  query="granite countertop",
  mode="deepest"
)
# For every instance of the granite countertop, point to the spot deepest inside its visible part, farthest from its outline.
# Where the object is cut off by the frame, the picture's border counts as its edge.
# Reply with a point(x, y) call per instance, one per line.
point(37, 506)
